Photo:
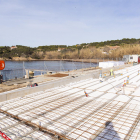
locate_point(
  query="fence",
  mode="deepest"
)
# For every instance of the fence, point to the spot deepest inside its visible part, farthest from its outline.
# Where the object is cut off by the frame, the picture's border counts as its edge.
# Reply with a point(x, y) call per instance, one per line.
point(13, 74)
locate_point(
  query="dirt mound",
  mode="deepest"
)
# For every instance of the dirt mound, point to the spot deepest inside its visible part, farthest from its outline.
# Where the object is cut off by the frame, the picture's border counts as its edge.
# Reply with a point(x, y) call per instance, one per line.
point(58, 75)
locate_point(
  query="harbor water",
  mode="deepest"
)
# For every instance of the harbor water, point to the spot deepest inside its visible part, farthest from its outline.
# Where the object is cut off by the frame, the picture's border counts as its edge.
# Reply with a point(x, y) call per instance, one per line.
point(16, 69)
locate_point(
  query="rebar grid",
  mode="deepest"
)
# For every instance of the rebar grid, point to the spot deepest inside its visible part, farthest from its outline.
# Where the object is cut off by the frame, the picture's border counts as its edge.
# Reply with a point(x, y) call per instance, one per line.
point(15, 130)
point(56, 108)
point(110, 84)
point(2, 116)
point(84, 86)
point(54, 102)
point(27, 100)
point(7, 122)
point(18, 131)
point(42, 102)
point(136, 133)
point(96, 121)
point(75, 118)
point(37, 136)
point(60, 120)
point(50, 93)
point(86, 83)
point(59, 110)
point(121, 124)
point(52, 117)
point(55, 96)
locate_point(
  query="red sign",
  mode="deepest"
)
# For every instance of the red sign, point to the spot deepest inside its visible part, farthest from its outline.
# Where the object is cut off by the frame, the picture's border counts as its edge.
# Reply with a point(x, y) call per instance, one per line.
point(139, 59)
point(4, 136)
point(2, 64)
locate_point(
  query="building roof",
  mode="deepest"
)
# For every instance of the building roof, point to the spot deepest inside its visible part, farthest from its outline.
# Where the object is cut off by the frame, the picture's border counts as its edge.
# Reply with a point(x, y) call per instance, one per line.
point(114, 47)
point(13, 47)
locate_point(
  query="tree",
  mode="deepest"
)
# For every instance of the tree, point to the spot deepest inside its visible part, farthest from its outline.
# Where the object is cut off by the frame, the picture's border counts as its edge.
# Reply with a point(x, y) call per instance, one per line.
point(106, 49)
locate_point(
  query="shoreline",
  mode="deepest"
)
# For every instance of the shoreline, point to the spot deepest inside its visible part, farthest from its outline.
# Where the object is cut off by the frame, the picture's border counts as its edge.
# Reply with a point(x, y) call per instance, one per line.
point(67, 60)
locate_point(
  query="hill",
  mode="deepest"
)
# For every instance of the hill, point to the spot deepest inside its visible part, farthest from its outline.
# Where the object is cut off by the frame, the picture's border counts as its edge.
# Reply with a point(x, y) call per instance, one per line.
point(112, 49)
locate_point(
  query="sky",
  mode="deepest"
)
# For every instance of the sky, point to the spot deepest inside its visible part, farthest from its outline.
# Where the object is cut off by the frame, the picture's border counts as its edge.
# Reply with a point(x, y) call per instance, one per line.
point(67, 22)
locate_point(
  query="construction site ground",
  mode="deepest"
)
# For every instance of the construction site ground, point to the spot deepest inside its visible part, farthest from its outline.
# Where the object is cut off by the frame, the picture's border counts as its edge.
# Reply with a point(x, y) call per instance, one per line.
point(19, 83)
point(111, 111)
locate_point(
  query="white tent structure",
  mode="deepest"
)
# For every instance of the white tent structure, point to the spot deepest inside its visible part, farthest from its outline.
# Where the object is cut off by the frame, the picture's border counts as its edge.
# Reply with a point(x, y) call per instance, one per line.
point(110, 64)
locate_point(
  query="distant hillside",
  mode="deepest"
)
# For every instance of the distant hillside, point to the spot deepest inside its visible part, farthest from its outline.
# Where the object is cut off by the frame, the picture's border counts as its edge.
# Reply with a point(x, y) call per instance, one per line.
point(115, 42)
point(107, 49)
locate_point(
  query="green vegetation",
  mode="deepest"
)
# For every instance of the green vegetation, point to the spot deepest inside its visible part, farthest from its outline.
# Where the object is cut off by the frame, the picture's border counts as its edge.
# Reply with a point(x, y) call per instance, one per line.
point(115, 42)
point(79, 51)
point(5, 51)
point(51, 47)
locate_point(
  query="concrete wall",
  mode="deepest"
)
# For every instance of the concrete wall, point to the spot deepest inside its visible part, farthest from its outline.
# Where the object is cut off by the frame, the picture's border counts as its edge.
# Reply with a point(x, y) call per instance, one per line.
point(28, 90)
point(63, 81)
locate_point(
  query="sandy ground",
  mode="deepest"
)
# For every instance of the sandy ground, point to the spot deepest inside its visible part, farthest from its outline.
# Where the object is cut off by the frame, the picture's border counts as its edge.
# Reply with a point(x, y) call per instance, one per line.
point(6, 86)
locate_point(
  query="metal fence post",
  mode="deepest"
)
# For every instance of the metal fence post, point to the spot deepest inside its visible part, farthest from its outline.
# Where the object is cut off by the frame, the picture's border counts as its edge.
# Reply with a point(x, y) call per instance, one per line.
point(23, 68)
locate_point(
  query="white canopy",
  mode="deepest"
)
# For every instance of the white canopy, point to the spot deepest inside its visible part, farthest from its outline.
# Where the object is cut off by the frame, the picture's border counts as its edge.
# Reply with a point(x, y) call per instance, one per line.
point(110, 64)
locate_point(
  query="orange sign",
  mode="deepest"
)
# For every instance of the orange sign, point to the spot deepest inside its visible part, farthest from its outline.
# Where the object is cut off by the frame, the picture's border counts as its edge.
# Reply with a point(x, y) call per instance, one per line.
point(2, 64)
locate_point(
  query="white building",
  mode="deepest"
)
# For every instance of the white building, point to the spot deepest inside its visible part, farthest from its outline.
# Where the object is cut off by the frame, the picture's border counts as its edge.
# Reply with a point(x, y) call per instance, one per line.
point(131, 58)
point(13, 47)
point(110, 64)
